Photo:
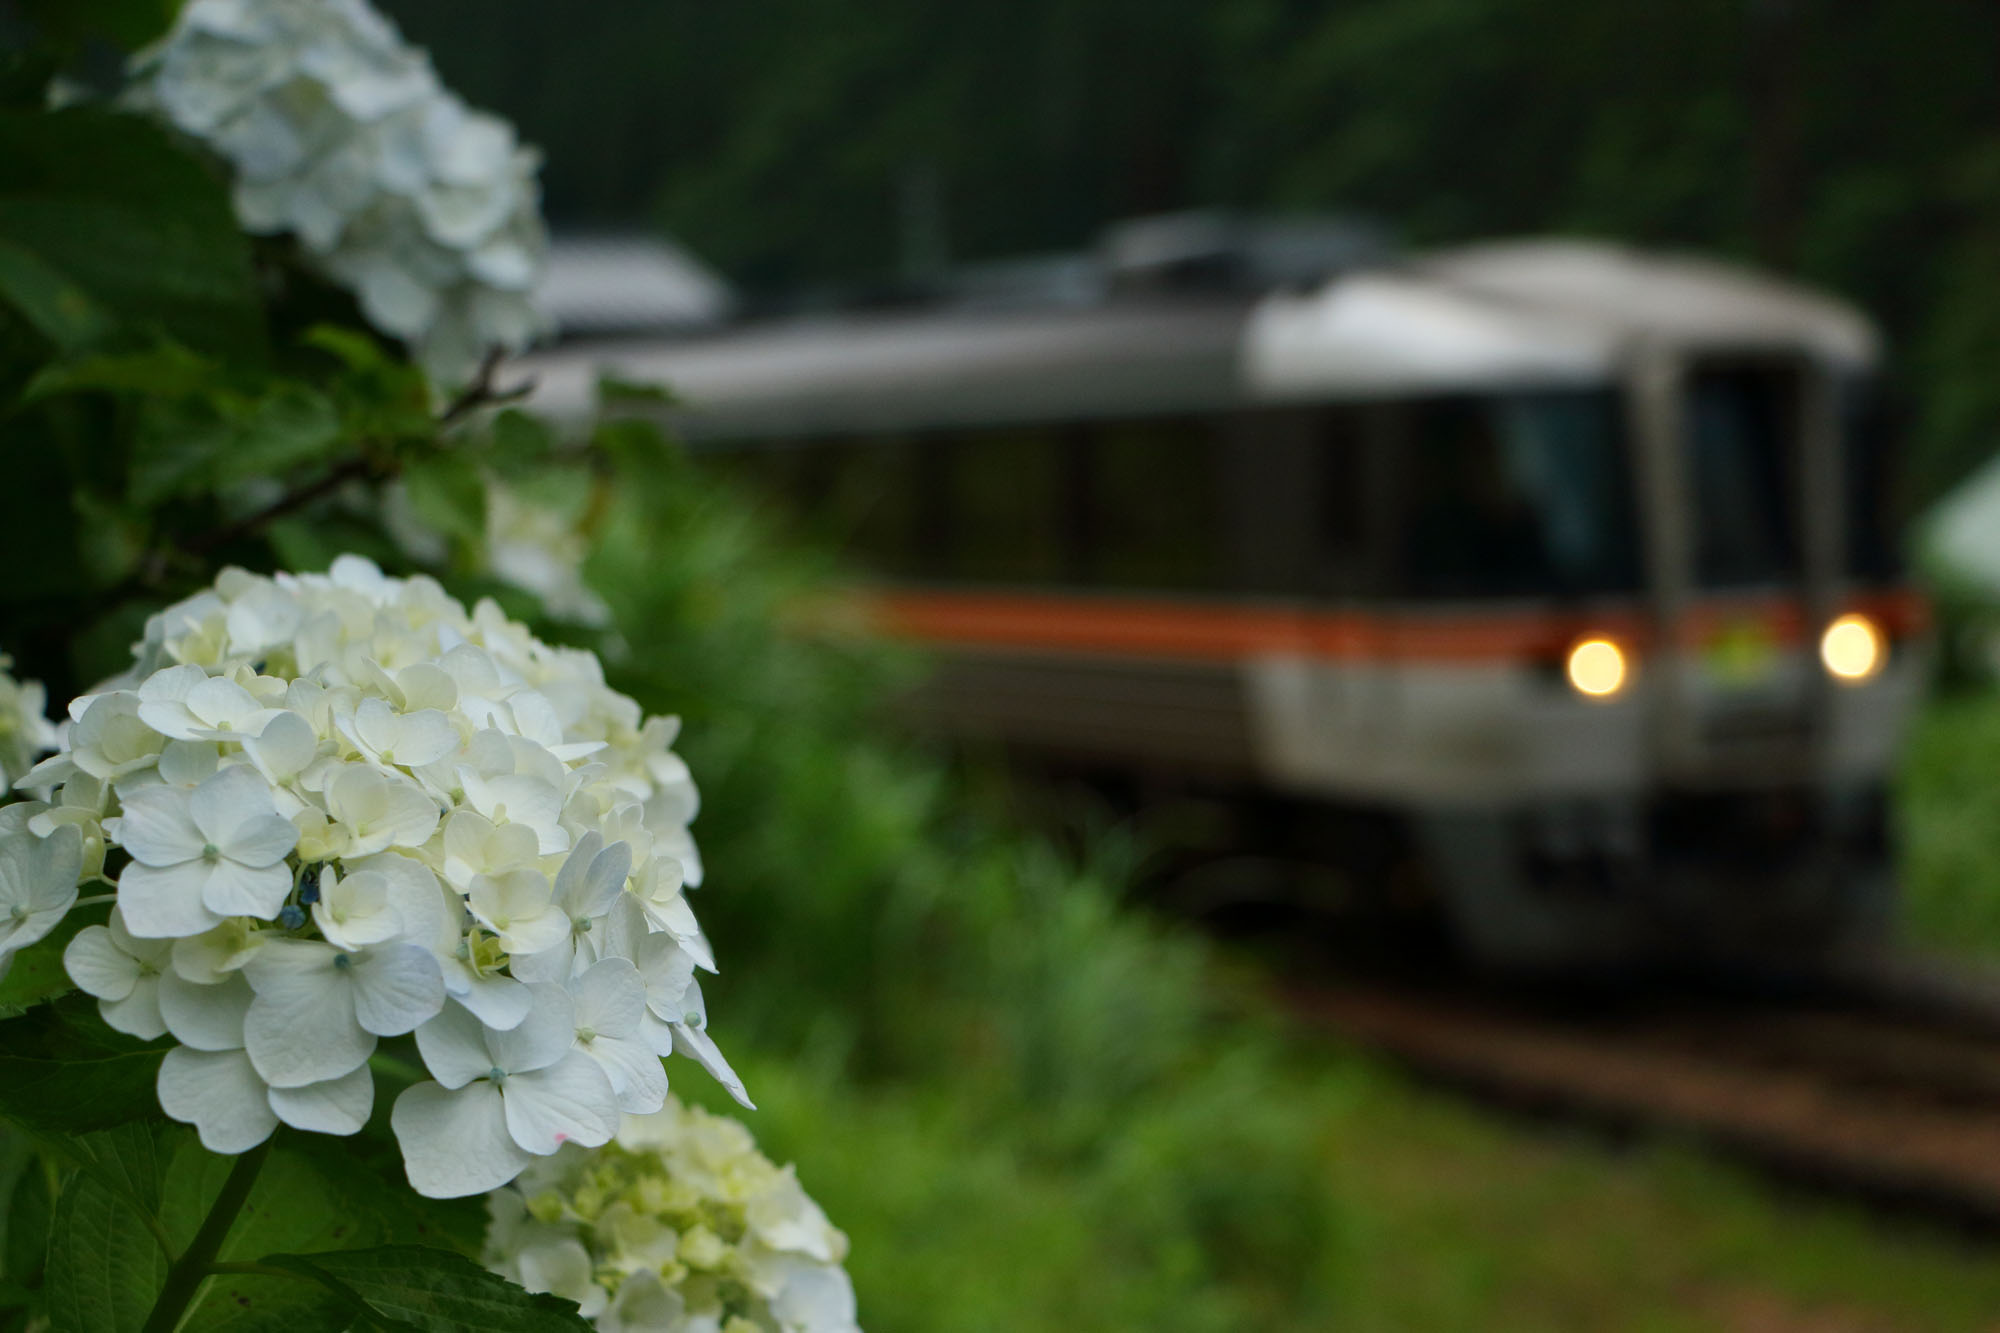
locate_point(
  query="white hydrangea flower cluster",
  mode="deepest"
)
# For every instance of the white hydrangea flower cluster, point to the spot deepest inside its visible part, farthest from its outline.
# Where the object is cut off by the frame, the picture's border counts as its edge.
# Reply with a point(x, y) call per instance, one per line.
point(344, 808)
point(25, 732)
point(680, 1226)
point(340, 133)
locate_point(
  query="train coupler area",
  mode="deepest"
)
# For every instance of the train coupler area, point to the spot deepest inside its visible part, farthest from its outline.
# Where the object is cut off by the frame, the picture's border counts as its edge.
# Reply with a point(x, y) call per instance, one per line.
point(1669, 877)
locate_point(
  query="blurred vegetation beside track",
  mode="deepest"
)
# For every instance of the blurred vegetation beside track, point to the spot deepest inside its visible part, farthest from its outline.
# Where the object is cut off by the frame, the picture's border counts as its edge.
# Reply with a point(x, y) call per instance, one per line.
point(1949, 821)
point(1034, 1109)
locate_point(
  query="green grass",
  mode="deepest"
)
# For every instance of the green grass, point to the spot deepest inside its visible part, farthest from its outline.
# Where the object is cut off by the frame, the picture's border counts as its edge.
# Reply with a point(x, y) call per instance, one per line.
point(1440, 1218)
point(1949, 810)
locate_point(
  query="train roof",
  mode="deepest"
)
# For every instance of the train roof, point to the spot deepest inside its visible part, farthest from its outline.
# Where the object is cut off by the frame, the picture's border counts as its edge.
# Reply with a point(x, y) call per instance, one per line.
point(1534, 313)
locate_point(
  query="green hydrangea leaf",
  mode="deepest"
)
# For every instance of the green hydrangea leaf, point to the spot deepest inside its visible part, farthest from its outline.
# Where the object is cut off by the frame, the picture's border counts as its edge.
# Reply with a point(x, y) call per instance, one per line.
point(130, 23)
point(24, 1218)
point(165, 370)
point(436, 1291)
point(106, 1263)
point(63, 1071)
point(113, 204)
point(290, 425)
point(60, 309)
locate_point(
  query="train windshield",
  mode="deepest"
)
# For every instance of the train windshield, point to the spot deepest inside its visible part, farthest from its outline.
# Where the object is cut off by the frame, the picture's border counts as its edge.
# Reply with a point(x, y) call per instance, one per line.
point(1740, 428)
point(1523, 494)
point(1868, 440)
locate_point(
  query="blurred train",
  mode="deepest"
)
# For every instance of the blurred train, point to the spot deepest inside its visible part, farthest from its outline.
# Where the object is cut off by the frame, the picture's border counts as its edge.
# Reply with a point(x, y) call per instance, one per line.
point(1554, 577)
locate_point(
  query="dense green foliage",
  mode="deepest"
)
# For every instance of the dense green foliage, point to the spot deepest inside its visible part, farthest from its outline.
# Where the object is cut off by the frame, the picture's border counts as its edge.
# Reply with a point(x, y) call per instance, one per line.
point(1857, 145)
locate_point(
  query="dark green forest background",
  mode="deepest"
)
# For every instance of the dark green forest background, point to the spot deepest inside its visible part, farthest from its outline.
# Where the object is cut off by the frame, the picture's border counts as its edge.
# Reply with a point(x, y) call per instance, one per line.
point(1855, 143)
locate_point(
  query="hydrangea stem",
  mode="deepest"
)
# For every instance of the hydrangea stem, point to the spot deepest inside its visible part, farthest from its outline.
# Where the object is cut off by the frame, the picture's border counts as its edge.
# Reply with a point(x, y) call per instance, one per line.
point(188, 1272)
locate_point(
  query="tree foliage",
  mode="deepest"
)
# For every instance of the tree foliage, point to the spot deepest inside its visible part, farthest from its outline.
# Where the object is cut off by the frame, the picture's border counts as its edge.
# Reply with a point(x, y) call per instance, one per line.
point(1852, 144)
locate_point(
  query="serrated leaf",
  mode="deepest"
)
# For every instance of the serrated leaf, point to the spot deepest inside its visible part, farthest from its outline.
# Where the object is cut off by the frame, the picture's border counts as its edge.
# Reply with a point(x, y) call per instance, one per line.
point(61, 311)
point(115, 205)
point(106, 1266)
point(351, 347)
point(166, 370)
point(436, 1291)
point(291, 425)
point(18, 1227)
point(175, 449)
point(200, 443)
point(29, 1209)
point(63, 1071)
point(252, 1303)
point(314, 1194)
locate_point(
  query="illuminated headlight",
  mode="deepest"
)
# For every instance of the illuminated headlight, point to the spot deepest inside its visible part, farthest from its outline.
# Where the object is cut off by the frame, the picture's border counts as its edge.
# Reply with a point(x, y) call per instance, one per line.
point(1852, 648)
point(1596, 667)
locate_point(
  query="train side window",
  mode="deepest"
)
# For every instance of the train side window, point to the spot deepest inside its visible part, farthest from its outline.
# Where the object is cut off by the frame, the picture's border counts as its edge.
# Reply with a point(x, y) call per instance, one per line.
point(1004, 516)
point(860, 495)
point(1270, 467)
point(1517, 494)
point(1340, 441)
point(769, 471)
point(1158, 493)
point(868, 501)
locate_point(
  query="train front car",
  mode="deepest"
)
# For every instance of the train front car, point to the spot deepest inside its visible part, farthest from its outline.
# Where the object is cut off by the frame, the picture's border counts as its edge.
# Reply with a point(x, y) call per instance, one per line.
point(1633, 660)
point(1549, 577)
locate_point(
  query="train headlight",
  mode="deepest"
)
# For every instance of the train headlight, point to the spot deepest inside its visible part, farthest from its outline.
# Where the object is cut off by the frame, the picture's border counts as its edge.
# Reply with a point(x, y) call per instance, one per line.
point(1596, 667)
point(1852, 649)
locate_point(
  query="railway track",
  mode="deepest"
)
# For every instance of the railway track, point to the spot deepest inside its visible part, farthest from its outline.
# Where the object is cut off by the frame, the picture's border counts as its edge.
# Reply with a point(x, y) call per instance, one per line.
point(1887, 1089)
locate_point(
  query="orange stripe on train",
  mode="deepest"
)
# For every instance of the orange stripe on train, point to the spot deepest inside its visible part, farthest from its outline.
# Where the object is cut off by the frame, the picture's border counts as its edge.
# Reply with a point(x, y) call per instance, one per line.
point(1213, 631)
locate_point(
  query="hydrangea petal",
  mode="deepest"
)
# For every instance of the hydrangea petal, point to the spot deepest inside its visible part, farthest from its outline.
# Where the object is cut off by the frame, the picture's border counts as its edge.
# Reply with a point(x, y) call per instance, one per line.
point(262, 840)
point(455, 1143)
point(165, 903)
point(500, 1003)
point(98, 966)
point(542, 1038)
point(156, 828)
point(220, 1095)
point(208, 1018)
point(454, 1048)
point(397, 988)
point(301, 1027)
point(637, 1075)
point(220, 805)
point(136, 1014)
point(570, 1101)
point(337, 1106)
point(230, 888)
point(698, 1045)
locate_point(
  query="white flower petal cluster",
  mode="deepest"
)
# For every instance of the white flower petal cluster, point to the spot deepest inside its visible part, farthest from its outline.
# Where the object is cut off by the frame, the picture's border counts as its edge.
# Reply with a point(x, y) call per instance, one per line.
point(679, 1226)
point(340, 133)
point(540, 549)
point(341, 808)
point(25, 732)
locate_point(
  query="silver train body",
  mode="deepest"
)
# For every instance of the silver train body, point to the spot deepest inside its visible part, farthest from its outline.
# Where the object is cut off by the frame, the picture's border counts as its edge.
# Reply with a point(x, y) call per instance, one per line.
point(1566, 561)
